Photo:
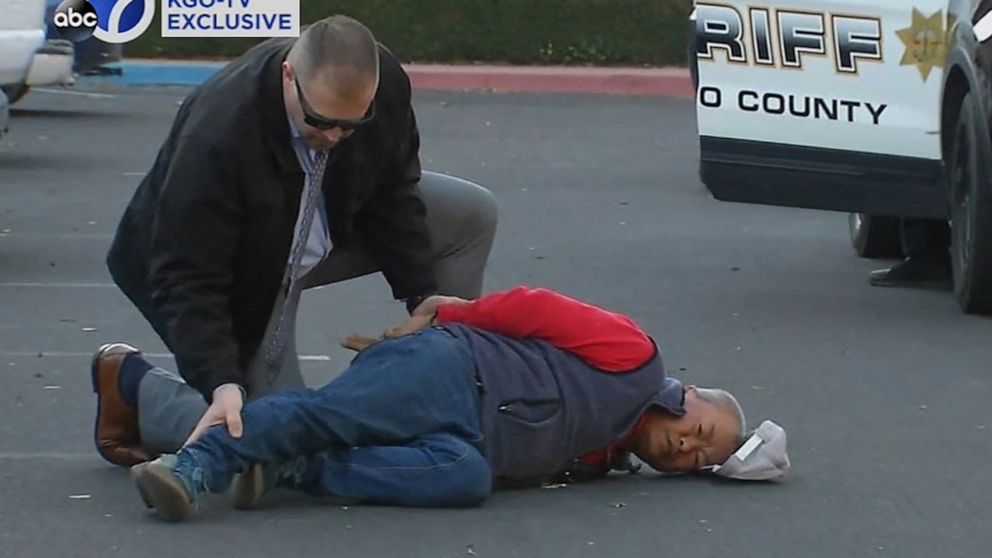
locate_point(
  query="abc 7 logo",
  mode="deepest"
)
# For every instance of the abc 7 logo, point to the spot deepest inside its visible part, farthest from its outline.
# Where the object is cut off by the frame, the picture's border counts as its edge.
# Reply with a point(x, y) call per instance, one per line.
point(75, 20)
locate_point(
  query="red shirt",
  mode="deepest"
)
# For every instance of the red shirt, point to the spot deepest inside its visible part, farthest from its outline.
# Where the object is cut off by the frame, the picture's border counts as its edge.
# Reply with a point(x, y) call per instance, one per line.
point(604, 339)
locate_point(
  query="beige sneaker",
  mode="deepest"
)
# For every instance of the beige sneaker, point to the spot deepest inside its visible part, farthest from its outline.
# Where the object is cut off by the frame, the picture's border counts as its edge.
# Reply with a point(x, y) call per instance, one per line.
point(162, 489)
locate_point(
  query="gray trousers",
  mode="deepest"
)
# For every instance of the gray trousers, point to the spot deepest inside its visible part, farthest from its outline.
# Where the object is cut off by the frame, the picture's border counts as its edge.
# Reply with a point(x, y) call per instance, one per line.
point(461, 220)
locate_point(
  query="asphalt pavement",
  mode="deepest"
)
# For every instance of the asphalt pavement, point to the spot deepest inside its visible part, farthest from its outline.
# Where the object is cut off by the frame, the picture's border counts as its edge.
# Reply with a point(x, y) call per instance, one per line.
point(885, 393)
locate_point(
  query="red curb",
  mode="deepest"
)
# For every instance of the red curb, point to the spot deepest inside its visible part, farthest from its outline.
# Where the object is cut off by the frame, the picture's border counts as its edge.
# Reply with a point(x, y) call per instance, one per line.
point(664, 82)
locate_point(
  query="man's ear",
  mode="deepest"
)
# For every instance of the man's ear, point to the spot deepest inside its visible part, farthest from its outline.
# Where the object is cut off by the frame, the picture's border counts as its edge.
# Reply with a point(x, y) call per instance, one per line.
point(690, 389)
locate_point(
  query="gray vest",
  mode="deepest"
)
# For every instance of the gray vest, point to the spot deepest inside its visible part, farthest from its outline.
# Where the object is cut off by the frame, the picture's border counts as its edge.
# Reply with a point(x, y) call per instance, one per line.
point(542, 407)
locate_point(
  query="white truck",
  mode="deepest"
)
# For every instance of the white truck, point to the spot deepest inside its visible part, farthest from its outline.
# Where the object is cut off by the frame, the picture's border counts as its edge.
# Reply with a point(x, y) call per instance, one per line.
point(882, 109)
point(26, 58)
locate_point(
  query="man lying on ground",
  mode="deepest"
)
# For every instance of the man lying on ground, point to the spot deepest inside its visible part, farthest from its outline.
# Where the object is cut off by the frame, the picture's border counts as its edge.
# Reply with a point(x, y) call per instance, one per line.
point(513, 388)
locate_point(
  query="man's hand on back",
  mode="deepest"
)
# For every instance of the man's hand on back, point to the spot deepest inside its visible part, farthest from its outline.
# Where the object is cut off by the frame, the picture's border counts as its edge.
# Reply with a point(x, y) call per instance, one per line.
point(414, 323)
point(429, 306)
point(225, 409)
point(359, 343)
point(422, 317)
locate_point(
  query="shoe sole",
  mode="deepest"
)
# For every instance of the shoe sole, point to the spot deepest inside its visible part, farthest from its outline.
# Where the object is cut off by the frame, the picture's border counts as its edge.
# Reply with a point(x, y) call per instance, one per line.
point(95, 377)
point(248, 488)
point(162, 491)
point(98, 356)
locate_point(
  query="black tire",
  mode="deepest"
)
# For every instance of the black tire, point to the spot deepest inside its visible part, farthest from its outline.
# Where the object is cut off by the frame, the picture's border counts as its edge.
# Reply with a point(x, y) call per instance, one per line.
point(969, 179)
point(15, 91)
point(875, 236)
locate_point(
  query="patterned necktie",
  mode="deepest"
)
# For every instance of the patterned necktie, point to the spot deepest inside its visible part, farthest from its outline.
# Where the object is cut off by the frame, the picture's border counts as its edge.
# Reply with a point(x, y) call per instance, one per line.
point(311, 198)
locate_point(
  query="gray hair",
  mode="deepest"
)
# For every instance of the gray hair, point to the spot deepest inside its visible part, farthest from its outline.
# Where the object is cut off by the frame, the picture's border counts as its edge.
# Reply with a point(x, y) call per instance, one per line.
point(339, 50)
point(725, 401)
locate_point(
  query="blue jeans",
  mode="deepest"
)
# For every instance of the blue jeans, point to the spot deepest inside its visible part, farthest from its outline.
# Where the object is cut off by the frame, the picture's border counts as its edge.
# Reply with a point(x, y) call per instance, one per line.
point(400, 426)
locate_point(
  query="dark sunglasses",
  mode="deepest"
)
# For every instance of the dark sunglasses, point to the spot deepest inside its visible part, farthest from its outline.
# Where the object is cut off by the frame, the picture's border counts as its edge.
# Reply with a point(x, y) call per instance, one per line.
point(323, 123)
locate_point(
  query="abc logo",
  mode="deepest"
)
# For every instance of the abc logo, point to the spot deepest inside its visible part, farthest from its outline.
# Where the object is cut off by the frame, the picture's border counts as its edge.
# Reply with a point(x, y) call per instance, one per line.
point(75, 20)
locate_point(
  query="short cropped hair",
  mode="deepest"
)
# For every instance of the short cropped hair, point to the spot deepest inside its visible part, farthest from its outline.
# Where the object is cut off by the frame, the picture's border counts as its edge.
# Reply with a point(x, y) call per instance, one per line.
point(725, 401)
point(338, 47)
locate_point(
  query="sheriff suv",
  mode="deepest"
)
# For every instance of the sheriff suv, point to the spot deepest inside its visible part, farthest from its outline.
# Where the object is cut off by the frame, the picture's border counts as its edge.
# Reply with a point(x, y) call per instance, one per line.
point(881, 109)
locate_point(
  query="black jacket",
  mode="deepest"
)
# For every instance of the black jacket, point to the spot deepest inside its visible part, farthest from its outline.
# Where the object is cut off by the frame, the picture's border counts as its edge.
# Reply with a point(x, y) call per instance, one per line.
point(204, 242)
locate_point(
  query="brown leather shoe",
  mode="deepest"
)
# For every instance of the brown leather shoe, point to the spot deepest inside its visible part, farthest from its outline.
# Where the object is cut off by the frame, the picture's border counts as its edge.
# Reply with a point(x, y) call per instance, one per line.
point(116, 431)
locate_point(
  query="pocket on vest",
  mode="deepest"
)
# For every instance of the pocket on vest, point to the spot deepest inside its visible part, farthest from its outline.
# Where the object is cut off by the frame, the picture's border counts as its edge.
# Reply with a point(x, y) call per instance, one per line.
point(529, 437)
point(533, 411)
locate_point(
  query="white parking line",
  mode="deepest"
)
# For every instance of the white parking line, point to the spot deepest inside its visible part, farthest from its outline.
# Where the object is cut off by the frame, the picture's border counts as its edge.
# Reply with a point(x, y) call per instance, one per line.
point(73, 354)
point(17, 285)
point(56, 455)
point(76, 93)
point(67, 354)
point(64, 236)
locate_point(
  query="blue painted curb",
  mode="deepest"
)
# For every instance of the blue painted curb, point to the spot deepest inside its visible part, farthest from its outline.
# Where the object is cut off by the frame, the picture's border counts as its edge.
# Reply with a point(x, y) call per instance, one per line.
point(153, 73)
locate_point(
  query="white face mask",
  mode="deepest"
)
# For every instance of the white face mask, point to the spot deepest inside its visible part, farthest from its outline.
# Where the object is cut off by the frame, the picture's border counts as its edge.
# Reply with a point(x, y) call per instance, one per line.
point(762, 457)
